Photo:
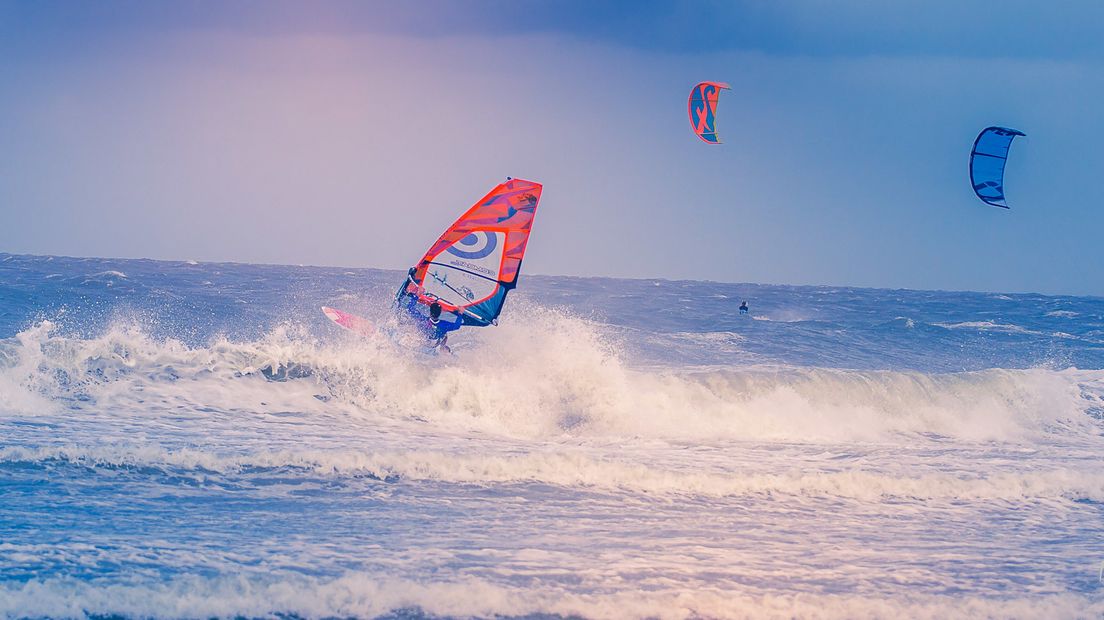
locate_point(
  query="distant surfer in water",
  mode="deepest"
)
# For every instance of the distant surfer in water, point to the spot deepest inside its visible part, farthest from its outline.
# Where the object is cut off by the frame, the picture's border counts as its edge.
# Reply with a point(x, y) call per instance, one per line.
point(743, 307)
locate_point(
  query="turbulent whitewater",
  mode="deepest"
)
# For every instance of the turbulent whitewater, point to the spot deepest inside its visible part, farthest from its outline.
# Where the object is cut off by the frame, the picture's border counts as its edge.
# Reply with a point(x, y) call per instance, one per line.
point(613, 449)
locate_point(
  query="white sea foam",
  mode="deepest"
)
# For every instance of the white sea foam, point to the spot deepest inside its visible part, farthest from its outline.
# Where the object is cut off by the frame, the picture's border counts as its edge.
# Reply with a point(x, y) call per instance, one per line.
point(581, 468)
point(987, 325)
point(565, 379)
point(782, 317)
point(366, 595)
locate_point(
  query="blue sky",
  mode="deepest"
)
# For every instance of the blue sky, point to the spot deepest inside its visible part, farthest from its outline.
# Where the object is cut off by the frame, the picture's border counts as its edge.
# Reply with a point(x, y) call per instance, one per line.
point(353, 133)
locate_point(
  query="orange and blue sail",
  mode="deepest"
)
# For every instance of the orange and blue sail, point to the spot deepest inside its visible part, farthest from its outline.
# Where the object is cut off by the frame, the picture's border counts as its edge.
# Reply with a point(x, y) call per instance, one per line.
point(703, 110)
point(476, 262)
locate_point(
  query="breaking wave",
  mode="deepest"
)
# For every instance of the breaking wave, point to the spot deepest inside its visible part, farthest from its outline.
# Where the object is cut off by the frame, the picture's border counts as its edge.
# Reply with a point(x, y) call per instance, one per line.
point(568, 379)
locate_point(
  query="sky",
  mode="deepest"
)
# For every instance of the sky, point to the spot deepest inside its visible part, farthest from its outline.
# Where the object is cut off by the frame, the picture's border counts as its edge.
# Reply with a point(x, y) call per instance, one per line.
point(353, 133)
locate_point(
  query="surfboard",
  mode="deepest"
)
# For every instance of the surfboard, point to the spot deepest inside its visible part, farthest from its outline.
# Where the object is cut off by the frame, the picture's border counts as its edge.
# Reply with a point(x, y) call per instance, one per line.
point(351, 322)
point(363, 327)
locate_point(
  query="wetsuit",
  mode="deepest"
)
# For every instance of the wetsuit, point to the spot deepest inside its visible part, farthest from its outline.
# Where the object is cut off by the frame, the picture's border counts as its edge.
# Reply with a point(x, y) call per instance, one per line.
point(434, 331)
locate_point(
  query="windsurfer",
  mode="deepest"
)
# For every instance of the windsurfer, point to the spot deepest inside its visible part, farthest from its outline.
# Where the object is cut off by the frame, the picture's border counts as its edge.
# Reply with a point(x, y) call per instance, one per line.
point(432, 327)
point(436, 330)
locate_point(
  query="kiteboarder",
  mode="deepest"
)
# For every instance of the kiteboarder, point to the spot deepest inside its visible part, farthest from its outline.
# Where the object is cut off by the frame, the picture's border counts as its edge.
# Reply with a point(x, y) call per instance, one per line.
point(743, 307)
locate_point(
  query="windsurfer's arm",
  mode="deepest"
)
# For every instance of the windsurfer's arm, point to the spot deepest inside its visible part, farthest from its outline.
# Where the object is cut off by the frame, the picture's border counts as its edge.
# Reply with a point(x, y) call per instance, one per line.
point(411, 307)
point(402, 289)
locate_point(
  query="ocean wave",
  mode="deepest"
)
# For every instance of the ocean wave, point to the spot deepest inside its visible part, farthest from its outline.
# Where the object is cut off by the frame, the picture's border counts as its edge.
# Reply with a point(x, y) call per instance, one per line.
point(909, 323)
point(369, 595)
point(566, 378)
point(988, 325)
point(110, 273)
point(1009, 328)
point(782, 317)
point(578, 469)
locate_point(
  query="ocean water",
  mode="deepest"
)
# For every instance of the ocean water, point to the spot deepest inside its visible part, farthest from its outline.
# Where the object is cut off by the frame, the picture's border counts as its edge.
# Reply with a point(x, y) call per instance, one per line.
point(613, 449)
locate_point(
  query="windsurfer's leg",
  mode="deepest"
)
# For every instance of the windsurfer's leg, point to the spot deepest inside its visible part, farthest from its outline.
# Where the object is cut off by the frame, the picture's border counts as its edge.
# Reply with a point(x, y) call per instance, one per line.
point(442, 344)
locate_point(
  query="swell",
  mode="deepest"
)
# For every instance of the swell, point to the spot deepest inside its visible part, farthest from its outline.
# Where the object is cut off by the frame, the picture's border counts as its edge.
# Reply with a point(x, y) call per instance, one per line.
point(580, 470)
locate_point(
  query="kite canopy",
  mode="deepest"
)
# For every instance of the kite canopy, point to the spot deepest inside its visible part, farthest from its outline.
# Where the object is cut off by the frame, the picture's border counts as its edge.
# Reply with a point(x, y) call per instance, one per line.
point(472, 266)
point(987, 161)
point(703, 110)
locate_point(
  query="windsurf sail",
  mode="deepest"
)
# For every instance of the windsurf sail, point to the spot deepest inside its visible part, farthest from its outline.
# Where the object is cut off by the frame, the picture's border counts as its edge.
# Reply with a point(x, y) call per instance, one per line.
point(987, 160)
point(703, 110)
point(475, 263)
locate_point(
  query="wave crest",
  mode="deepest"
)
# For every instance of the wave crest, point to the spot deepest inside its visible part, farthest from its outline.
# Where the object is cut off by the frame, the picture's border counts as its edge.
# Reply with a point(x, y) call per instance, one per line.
point(559, 376)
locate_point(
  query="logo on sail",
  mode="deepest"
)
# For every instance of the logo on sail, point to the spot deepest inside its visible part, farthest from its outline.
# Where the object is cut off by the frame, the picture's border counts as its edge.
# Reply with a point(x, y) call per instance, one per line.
point(476, 245)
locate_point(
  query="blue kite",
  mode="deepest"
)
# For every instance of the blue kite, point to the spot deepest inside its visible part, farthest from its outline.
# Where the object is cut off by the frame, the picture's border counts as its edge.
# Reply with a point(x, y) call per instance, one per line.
point(987, 161)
